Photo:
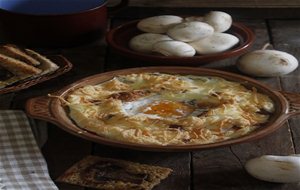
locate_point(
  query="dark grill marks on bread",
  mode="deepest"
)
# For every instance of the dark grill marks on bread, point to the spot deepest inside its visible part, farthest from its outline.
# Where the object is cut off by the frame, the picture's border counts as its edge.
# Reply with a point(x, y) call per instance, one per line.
point(18, 64)
point(17, 67)
point(112, 174)
point(45, 64)
point(12, 51)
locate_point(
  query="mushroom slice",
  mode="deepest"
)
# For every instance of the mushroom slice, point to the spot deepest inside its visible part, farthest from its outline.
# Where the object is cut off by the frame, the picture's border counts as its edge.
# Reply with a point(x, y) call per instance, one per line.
point(190, 31)
point(218, 42)
point(144, 42)
point(158, 24)
point(174, 48)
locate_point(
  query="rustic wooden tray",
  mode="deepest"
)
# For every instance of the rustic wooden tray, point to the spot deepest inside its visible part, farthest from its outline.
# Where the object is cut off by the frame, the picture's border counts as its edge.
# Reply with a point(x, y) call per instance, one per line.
point(51, 109)
point(118, 39)
point(62, 62)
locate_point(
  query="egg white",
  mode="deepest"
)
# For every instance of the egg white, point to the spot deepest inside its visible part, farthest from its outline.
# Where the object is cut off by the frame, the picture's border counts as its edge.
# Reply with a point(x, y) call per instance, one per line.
point(135, 107)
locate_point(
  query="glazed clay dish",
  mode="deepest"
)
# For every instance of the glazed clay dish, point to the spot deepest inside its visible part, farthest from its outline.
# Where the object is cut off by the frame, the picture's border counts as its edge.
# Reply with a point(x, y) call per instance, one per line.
point(52, 108)
point(119, 37)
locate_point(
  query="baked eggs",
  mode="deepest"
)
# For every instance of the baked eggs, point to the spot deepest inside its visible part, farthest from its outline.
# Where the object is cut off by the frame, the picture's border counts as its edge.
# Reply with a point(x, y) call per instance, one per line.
point(168, 109)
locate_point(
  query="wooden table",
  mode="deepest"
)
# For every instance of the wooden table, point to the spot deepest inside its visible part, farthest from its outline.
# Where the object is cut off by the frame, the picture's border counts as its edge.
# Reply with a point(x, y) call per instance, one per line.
point(220, 168)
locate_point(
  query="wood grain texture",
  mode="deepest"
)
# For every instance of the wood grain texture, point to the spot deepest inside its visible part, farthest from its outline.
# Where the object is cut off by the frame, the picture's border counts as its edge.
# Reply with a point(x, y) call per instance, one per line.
point(62, 151)
point(245, 13)
point(6, 100)
point(285, 38)
point(215, 3)
point(223, 168)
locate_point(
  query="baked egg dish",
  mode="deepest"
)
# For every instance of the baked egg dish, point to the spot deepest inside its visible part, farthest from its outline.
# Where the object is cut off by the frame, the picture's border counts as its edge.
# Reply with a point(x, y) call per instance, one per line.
point(168, 109)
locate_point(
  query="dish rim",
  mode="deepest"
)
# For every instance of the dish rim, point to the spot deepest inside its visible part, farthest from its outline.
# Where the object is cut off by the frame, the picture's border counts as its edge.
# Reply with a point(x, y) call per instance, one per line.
point(51, 109)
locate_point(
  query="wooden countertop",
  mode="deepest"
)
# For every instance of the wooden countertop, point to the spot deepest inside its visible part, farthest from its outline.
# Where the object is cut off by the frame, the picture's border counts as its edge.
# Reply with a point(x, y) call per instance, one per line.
point(220, 168)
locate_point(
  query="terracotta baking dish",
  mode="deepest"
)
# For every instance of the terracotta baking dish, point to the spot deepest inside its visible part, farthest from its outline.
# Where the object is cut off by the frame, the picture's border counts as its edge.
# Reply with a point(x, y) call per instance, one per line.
point(51, 109)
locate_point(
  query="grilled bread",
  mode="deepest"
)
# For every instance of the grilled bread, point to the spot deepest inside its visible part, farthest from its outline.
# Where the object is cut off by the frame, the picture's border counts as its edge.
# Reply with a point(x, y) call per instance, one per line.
point(15, 52)
point(17, 67)
point(21, 64)
point(46, 65)
point(112, 174)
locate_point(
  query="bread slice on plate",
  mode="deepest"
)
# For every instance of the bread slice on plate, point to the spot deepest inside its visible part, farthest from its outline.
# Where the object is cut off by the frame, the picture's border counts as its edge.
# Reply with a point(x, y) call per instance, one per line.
point(22, 64)
point(15, 52)
point(46, 65)
point(112, 174)
point(10, 81)
point(18, 67)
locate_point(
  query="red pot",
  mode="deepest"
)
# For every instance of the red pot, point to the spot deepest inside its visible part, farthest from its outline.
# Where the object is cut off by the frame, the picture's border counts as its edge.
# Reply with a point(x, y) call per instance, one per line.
point(54, 23)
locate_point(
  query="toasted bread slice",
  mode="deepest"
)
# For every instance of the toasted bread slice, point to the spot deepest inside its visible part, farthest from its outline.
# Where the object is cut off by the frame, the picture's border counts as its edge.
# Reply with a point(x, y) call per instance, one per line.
point(47, 66)
point(113, 174)
point(11, 80)
point(17, 67)
point(14, 52)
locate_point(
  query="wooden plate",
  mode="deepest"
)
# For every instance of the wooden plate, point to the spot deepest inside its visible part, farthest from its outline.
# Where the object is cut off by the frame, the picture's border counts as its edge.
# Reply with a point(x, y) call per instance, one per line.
point(119, 37)
point(51, 109)
point(62, 62)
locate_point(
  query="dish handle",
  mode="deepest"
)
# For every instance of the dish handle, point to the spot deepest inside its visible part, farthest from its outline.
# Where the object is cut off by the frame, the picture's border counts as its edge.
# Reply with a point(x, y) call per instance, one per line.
point(38, 108)
point(294, 103)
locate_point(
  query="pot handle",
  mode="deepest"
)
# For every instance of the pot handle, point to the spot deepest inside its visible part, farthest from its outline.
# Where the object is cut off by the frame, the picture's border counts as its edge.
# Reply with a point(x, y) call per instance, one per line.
point(294, 102)
point(38, 108)
point(119, 6)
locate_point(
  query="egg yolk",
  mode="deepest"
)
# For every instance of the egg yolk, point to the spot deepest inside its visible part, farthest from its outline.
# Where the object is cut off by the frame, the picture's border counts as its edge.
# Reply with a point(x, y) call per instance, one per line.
point(168, 109)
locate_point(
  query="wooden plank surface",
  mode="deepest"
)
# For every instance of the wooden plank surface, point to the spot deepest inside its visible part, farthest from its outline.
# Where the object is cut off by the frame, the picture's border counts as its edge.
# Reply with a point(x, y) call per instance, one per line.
point(224, 168)
point(221, 168)
point(285, 36)
point(216, 3)
point(236, 13)
point(61, 151)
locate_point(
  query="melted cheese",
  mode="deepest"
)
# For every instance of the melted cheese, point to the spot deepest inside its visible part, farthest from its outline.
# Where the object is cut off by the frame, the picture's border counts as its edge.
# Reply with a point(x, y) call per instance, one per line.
point(164, 109)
